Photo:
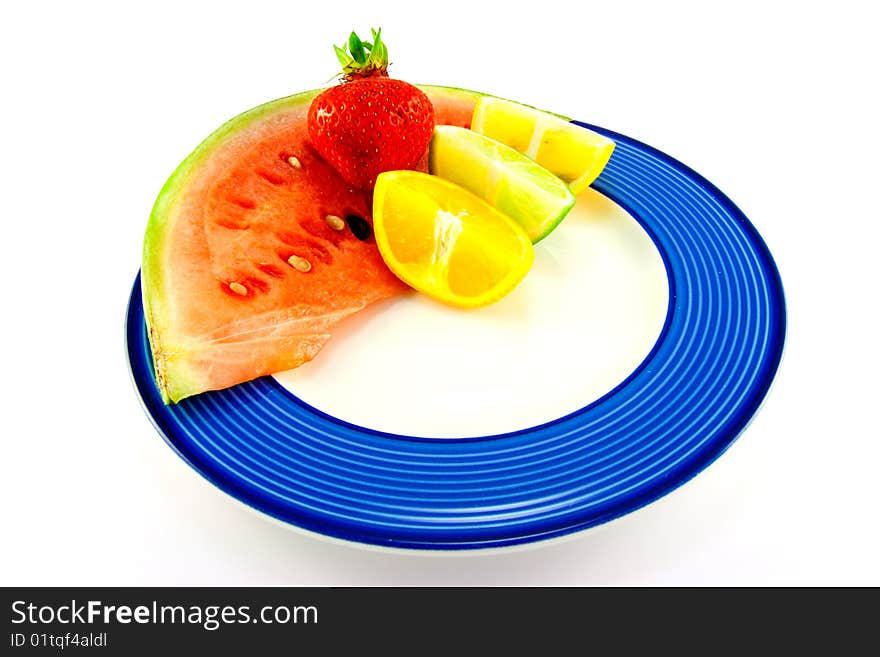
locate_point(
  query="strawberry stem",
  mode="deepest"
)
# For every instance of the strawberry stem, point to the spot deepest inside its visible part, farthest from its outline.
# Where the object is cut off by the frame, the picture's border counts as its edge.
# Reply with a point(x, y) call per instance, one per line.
point(355, 61)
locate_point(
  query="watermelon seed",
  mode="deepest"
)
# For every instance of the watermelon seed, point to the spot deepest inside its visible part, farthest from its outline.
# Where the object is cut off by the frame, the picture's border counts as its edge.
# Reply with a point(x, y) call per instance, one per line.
point(294, 162)
point(238, 288)
point(336, 223)
point(359, 226)
point(300, 264)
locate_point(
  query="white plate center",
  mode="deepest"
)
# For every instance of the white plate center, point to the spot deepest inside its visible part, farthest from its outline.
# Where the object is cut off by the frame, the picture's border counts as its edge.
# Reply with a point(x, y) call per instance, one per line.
point(582, 320)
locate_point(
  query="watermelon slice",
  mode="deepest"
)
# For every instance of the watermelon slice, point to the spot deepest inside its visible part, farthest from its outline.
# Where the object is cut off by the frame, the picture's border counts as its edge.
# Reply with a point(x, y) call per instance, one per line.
point(243, 273)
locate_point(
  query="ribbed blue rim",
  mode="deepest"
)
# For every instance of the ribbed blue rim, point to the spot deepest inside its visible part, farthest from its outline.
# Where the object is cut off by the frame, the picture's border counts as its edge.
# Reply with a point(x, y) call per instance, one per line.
point(675, 414)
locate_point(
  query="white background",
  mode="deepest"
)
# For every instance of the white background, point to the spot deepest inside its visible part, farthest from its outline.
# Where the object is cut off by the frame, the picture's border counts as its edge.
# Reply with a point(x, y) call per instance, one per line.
point(776, 103)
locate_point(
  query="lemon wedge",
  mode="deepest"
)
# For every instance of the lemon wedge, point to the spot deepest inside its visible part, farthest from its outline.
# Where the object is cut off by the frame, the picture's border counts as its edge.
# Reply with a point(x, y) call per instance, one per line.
point(575, 154)
point(516, 185)
point(447, 242)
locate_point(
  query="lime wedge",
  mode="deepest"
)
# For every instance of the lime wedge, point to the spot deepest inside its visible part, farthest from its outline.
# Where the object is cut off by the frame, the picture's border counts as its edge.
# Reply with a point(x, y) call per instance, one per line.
point(575, 154)
point(517, 186)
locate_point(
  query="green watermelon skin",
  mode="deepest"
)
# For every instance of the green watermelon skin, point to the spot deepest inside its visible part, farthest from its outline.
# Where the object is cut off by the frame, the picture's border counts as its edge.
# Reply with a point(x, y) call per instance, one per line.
point(228, 219)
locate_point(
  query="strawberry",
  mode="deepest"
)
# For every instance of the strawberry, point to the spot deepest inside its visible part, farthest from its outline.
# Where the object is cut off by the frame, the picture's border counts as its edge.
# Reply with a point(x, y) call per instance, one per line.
point(369, 123)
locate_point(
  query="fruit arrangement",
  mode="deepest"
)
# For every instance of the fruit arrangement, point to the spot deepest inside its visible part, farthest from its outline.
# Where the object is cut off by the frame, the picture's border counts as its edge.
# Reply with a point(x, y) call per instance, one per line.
point(303, 211)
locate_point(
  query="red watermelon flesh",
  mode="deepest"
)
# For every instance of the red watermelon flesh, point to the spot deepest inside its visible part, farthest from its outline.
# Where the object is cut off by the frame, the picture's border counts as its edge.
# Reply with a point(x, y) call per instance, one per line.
point(222, 303)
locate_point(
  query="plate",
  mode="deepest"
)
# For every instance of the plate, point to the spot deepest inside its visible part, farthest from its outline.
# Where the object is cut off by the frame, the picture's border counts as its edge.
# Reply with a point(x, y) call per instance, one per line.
point(681, 406)
point(589, 312)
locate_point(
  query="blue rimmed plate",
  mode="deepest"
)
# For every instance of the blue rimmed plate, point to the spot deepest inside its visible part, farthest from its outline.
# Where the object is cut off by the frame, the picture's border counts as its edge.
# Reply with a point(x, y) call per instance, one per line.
point(679, 405)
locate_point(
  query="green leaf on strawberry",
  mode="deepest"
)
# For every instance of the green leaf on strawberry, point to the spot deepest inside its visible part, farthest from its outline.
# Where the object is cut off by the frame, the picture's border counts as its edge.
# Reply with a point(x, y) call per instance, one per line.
point(357, 49)
point(345, 60)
